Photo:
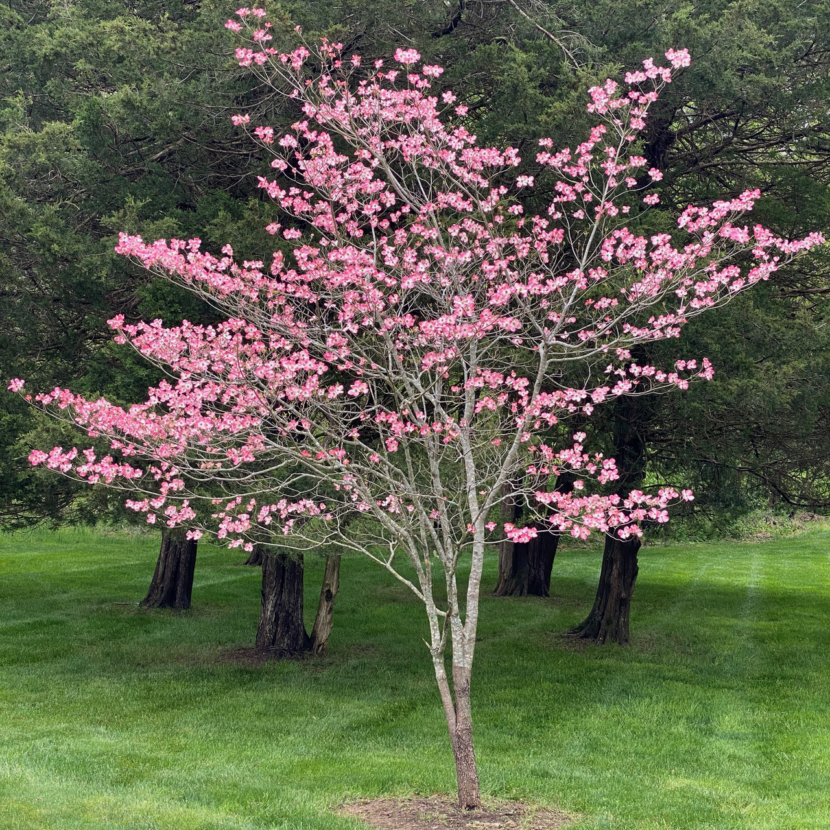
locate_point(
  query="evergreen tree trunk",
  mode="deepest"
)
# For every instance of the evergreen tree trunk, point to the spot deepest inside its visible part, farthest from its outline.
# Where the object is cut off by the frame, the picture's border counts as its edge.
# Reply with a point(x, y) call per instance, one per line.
point(172, 582)
point(609, 618)
point(281, 630)
point(525, 567)
point(255, 558)
point(323, 622)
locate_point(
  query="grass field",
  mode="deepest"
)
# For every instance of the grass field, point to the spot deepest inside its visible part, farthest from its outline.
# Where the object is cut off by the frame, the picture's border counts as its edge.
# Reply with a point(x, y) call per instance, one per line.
point(718, 716)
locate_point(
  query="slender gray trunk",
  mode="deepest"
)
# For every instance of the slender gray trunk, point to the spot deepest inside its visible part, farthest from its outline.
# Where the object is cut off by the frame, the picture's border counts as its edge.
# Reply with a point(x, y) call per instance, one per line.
point(466, 770)
point(324, 620)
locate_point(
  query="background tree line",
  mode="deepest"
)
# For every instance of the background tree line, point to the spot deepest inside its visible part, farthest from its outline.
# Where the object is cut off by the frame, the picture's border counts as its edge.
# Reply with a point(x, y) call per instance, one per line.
point(116, 116)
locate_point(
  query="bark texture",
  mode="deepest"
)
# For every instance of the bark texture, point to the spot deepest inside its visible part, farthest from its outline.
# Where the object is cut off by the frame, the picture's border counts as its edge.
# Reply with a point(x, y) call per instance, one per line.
point(324, 620)
point(172, 583)
point(255, 557)
point(455, 697)
point(525, 568)
point(281, 630)
point(469, 796)
point(609, 618)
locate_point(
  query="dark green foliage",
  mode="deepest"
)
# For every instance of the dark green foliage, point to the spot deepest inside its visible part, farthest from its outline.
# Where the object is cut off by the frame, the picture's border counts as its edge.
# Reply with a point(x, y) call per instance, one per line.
point(116, 116)
point(111, 118)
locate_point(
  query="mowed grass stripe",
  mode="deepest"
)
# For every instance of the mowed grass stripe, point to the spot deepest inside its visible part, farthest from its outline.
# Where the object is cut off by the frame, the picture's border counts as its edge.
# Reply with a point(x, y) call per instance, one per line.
point(114, 716)
point(790, 689)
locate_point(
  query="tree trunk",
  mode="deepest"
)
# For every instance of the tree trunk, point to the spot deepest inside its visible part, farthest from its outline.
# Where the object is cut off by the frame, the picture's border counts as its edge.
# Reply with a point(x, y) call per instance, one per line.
point(608, 620)
point(323, 622)
point(255, 558)
point(172, 582)
point(456, 702)
point(525, 567)
point(281, 629)
point(469, 796)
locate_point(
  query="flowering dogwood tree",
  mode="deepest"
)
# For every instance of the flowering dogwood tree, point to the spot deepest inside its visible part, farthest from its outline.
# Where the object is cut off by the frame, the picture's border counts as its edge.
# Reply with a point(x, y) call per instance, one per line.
point(410, 368)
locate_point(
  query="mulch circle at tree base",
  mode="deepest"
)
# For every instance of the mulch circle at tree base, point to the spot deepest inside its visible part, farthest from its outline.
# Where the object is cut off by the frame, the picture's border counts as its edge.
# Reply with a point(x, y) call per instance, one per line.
point(439, 812)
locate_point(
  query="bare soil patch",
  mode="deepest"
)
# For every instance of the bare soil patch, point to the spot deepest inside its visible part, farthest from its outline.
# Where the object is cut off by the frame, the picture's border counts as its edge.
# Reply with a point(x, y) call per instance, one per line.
point(440, 813)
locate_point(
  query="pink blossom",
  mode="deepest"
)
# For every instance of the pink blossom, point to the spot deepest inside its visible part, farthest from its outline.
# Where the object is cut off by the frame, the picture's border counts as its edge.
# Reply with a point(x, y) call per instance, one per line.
point(419, 350)
point(520, 534)
point(678, 58)
point(407, 56)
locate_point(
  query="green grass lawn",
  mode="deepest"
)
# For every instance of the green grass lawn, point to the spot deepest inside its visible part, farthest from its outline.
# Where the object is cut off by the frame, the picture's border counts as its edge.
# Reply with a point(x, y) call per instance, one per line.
point(718, 716)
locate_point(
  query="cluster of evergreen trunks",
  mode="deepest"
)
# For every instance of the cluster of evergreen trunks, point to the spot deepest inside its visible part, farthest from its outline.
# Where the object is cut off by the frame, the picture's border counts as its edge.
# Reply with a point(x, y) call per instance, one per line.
point(524, 570)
